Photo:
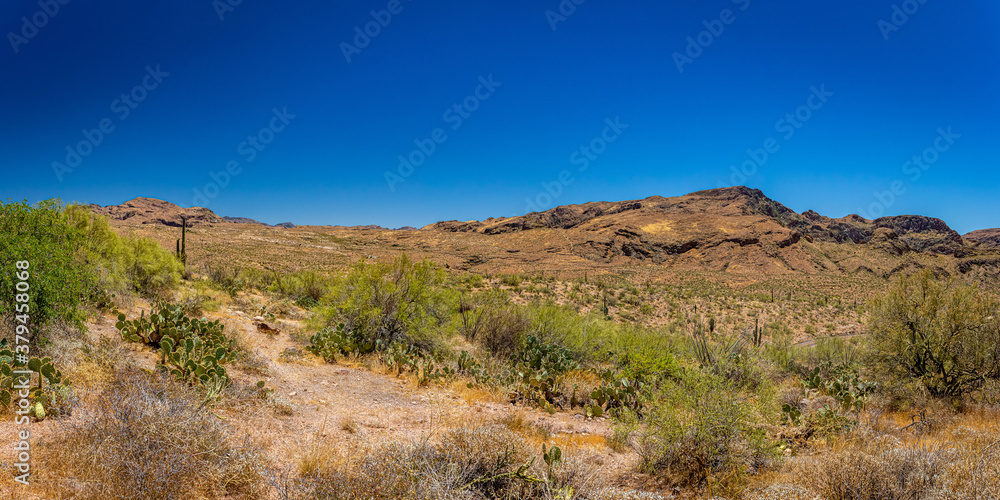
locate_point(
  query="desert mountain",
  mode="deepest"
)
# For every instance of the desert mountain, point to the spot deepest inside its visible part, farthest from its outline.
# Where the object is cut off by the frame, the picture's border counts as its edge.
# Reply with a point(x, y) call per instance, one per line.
point(153, 211)
point(736, 231)
point(985, 237)
point(727, 229)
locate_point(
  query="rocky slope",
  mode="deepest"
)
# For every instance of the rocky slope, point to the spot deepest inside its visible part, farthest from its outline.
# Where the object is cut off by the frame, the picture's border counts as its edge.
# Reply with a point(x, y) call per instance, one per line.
point(153, 211)
point(737, 231)
point(722, 229)
point(985, 237)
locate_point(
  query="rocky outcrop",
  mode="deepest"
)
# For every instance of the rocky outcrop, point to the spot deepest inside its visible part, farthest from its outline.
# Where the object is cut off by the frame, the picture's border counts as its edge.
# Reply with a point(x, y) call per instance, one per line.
point(984, 237)
point(153, 211)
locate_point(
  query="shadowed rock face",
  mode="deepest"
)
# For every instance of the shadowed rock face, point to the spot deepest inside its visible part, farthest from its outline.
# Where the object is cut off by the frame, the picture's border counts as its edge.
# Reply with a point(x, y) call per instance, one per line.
point(985, 237)
point(722, 227)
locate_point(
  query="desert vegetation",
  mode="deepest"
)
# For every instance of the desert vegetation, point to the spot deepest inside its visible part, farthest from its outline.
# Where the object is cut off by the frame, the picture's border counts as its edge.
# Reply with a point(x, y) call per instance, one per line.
point(155, 379)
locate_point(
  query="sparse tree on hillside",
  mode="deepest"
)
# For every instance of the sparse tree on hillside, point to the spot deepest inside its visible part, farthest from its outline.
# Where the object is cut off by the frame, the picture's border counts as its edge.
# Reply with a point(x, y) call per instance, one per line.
point(945, 335)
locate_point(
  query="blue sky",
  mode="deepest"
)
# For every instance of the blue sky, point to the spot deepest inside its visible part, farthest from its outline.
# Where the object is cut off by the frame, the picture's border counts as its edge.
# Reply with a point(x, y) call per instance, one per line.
point(557, 103)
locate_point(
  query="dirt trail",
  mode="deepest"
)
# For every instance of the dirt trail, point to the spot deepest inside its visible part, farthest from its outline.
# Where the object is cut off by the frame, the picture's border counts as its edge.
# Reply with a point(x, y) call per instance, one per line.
point(328, 398)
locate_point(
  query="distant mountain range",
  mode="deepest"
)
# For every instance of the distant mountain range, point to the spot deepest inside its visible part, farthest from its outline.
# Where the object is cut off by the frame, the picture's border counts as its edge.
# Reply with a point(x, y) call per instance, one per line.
point(733, 230)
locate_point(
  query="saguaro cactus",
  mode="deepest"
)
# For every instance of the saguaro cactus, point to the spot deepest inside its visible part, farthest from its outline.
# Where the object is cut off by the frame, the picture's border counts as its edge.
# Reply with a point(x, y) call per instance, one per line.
point(181, 243)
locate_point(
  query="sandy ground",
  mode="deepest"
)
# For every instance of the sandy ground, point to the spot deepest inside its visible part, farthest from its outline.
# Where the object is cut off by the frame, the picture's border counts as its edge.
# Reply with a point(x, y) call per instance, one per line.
point(343, 405)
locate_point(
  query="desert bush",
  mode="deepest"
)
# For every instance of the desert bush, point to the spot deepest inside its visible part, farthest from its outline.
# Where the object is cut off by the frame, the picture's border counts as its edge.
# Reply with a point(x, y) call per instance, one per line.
point(305, 287)
point(492, 322)
point(199, 299)
point(39, 237)
point(889, 473)
point(587, 337)
point(147, 438)
point(485, 462)
point(121, 264)
point(700, 430)
point(946, 335)
point(385, 302)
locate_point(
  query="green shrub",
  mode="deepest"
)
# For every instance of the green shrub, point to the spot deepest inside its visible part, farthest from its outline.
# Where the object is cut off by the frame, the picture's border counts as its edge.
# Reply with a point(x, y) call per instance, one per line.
point(492, 322)
point(702, 430)
point(40, 236)
point(587, 338)
point(122, 264)
point(946, 335)
point(400, 301)
point(305, 287)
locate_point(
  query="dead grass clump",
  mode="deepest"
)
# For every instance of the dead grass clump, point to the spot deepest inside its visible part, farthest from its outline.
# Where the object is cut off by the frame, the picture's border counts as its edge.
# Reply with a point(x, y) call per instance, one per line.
point(99, 362)
point(490, 461)
point(147, 437)
point(887, 473)
point(975, 472)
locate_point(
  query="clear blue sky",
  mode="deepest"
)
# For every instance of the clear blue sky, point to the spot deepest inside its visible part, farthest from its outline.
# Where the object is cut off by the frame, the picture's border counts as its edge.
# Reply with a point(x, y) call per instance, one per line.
point(221, 81)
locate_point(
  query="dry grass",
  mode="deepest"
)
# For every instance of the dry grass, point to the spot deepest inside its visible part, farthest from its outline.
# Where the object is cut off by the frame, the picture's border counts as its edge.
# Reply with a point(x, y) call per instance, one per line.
point(146, 438)
point(956, 459)
point(464, 463)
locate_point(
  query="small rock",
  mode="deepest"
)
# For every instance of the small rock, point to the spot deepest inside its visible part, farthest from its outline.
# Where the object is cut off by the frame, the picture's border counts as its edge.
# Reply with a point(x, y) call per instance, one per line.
point(258, 319)
point(292, 393)
point(239, 313)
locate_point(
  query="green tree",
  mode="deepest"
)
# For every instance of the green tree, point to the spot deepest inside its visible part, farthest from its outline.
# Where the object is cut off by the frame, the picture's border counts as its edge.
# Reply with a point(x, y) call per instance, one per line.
point(942, 333)
point(38, 234)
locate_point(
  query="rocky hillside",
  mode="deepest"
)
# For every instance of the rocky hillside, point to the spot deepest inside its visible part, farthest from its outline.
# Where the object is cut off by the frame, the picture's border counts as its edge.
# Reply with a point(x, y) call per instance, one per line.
point(723, 229)
point(985, 237)
point(153, 211)
point(737, 231)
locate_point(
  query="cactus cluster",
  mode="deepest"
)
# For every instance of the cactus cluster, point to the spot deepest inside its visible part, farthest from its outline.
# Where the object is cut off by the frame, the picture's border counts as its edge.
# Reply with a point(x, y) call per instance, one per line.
point(844, 385)
point(168, 321)
point(52, 389)
point(615, 392)
point(192, 350)
point(329, 343)
point(406, 358)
